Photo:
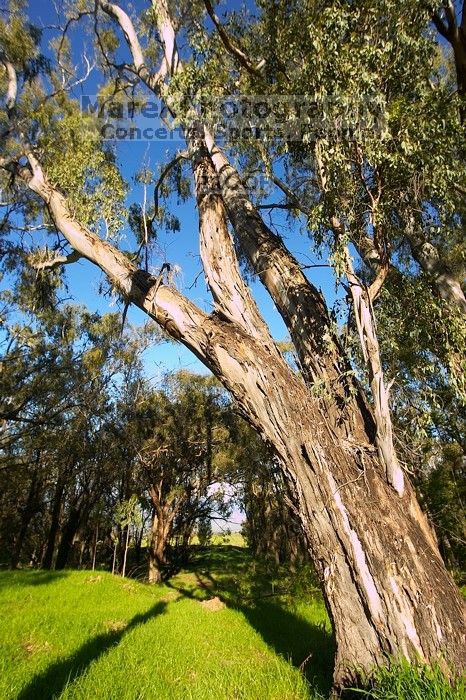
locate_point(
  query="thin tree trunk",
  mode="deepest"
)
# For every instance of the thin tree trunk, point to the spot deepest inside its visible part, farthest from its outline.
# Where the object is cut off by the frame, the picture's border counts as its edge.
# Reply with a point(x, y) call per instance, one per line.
point(94, 554)
point(115, 544)
point(123, 572)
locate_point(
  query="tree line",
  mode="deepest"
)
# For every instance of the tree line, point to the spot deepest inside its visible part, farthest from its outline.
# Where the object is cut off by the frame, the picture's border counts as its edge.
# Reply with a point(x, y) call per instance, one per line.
point(98, 463)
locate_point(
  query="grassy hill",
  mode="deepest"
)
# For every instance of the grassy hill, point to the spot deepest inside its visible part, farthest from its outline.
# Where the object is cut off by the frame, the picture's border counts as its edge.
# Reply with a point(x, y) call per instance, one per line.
point(89, 635)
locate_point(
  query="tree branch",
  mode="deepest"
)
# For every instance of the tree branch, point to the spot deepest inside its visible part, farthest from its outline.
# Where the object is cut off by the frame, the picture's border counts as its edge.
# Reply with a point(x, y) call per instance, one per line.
point(365, 323)
point(230, 46)
point(299, 302)
point(441, 27)
point(167, 34)
point(56, 261)
point(456, 36)
point(12, 89)
point(152, 80)
point(231, 295)
point(429, 259)
point(183, 155)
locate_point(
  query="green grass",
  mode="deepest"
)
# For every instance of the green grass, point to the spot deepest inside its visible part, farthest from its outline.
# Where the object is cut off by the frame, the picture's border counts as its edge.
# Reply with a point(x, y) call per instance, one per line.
point(92, 636)
point(79, 634)
point(405, 682)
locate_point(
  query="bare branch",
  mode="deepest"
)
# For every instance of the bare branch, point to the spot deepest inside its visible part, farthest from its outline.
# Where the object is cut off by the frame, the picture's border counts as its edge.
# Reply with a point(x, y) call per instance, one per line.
point(276, 205)
point(231, 294)
point(124, 21)
point(64, 32)
point(230, 46)
point(183, 155)
point(167, 34)
point(179, 317)
point(54, 262)
point(296, 202)
point(430, 260)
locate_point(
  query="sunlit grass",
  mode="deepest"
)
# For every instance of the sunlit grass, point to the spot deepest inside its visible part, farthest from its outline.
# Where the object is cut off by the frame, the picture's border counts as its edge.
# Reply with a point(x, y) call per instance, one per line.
point(404, 682)
point(94, 636)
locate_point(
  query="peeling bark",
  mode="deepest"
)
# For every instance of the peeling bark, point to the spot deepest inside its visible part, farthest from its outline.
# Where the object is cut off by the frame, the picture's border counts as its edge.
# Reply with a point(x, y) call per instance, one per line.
point(362, 535)
point(365, 323)
point(300, 304)
point(231, 295)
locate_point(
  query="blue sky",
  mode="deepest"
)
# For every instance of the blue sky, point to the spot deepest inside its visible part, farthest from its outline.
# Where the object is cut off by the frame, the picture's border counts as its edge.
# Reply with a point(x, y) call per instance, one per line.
point(178, 248)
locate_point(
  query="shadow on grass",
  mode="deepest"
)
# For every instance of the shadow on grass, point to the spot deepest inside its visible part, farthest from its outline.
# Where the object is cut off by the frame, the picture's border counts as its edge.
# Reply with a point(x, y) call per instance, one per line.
point(307, 646)
point(30, 577)
point(54, 679)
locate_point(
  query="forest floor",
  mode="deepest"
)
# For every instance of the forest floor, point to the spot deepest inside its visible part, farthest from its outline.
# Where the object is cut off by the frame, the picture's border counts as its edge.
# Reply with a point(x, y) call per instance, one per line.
point(224, 628)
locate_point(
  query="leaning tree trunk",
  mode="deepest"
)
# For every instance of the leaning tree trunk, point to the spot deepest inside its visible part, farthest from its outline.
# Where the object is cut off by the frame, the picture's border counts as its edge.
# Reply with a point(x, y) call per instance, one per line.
point(386, 588)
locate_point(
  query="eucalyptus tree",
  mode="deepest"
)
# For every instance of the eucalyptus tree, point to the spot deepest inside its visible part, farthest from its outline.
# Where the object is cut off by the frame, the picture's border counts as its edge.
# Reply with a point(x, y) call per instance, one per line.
point(182, 454)
point(386, 587)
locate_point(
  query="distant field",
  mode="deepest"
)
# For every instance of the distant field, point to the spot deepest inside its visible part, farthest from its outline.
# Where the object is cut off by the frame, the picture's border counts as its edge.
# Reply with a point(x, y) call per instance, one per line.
point(88, 635)
point(235, 539)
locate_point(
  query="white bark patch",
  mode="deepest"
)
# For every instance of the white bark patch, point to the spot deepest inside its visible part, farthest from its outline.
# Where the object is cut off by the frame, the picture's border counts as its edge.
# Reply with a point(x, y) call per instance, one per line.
point(406, 617)
point(373, 598)
point(397, 479)
point(438, 629)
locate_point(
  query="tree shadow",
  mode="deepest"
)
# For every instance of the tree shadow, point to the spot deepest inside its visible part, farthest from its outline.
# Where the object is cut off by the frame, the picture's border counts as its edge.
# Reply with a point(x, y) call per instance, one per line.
point(307, 646)
point(31, 577)
point(53, 680)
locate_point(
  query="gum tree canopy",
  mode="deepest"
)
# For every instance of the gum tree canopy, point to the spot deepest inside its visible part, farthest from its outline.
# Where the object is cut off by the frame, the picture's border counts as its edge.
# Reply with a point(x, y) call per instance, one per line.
point(380, 178)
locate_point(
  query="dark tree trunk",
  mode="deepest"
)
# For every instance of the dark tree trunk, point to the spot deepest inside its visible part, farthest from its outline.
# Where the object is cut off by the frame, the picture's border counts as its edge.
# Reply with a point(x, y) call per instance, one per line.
point(160, 534)
point(54, 523)
point(68, 533)
point(30, 508)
